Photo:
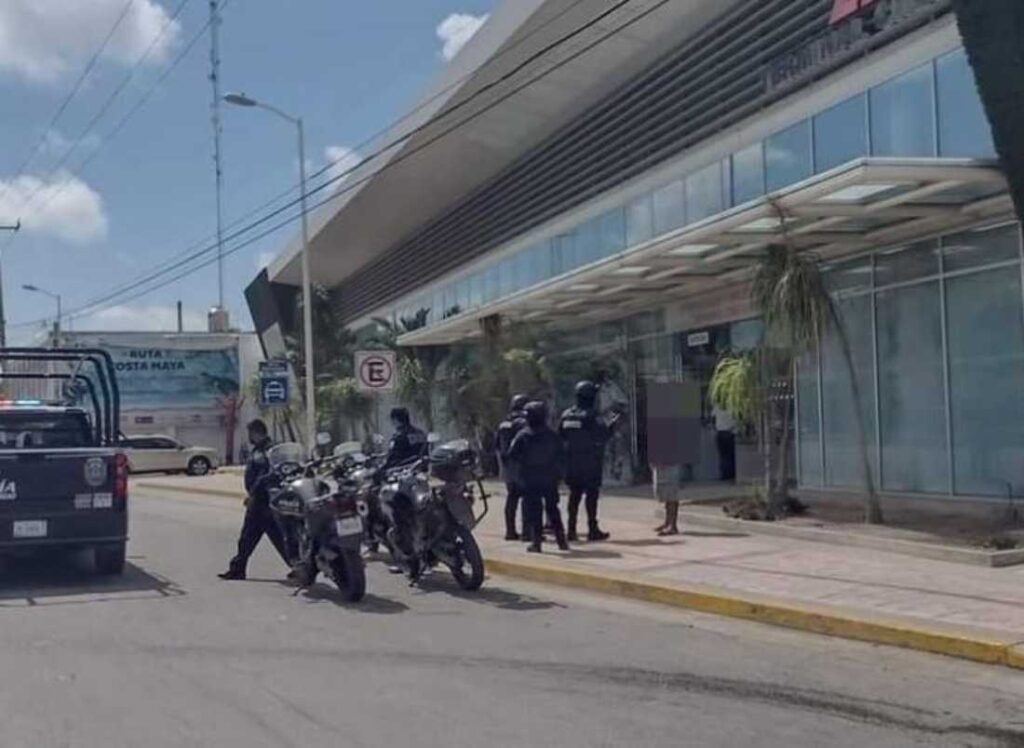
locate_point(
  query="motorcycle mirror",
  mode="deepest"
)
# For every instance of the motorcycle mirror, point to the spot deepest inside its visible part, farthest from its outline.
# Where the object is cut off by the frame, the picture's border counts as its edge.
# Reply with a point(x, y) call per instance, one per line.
point(378, 440)
point(323, 439)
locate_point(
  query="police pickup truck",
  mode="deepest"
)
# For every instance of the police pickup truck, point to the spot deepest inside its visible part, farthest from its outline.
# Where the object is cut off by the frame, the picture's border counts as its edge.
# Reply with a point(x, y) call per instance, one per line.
point(63, 476)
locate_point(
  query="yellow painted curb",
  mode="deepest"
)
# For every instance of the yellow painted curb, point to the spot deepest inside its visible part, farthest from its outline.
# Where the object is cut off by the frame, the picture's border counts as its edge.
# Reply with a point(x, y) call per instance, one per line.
point(954, 642)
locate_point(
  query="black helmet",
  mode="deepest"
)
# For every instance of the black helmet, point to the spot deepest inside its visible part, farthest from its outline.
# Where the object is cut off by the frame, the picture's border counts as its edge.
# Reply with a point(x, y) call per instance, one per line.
point(586, 393)
point(536, 413)
point(519, 402)
point(401, 415)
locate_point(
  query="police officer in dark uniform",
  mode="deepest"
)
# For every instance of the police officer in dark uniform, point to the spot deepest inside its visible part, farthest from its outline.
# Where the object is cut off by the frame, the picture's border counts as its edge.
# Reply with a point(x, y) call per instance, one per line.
point(584, 433)
point(407, 442)
point(537, 453)
point(259, 519)
point(514, 422)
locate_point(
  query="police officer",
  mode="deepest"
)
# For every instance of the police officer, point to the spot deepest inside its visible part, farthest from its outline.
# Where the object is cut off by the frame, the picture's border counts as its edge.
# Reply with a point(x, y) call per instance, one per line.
point(259, 519)
point(407, 442)
point(514, 422)
point(537, 454)
point(584, 433)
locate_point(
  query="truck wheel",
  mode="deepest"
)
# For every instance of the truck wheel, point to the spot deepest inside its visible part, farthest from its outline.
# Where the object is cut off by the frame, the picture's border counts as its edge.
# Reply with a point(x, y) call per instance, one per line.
point(110, 560)
point(198, 466)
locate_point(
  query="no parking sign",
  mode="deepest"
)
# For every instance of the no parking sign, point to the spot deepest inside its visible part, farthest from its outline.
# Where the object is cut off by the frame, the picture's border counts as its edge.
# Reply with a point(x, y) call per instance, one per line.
point(376, 371)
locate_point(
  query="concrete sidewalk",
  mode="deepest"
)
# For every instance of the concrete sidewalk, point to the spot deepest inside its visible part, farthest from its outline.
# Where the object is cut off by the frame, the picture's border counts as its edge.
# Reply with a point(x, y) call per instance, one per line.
point(932, 605)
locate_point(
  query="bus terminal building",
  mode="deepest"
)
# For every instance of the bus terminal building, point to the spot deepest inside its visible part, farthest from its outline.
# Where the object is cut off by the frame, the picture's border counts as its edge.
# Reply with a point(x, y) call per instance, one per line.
point(610, 173)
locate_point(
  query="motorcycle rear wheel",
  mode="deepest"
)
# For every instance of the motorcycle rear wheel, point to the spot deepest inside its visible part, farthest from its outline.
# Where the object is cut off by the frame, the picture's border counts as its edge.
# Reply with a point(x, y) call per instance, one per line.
point(466, 552)
point(349, 574)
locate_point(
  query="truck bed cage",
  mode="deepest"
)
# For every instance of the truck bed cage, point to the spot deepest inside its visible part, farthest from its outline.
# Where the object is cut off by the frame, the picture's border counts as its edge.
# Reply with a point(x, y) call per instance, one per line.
point(84, 365)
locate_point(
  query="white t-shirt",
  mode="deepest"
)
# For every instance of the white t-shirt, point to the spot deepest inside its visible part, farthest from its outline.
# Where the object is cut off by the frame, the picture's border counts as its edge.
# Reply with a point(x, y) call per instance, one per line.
point(723, 420)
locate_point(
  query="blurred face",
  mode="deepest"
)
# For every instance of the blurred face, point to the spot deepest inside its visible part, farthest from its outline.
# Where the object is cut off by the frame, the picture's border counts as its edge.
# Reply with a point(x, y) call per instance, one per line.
point(255, 437)
point(395, 423)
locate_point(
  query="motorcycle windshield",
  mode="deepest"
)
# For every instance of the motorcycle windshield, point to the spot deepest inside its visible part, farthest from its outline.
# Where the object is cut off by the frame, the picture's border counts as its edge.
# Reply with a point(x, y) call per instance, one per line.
point(289, 452)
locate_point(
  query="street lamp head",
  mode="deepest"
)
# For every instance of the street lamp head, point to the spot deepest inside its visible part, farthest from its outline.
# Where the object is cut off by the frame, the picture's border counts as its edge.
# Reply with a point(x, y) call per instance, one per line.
point(28, 287)
point(240, 99)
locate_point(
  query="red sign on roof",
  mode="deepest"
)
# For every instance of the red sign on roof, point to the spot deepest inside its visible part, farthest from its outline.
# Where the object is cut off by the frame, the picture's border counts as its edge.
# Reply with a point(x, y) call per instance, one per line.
point(844, 9)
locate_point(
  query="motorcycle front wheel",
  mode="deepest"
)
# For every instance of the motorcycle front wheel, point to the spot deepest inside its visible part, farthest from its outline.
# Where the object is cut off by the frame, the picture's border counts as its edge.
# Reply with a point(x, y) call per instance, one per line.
point(349, 574)
point(468, 566)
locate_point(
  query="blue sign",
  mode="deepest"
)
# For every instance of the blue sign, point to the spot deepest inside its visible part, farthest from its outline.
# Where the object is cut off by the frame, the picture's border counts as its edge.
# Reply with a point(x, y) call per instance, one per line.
point(274, 391)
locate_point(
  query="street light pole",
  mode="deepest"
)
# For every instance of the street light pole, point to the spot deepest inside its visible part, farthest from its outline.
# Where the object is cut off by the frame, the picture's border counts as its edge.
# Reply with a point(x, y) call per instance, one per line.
point(239, 99)
point(3, 319)
point(60, 309)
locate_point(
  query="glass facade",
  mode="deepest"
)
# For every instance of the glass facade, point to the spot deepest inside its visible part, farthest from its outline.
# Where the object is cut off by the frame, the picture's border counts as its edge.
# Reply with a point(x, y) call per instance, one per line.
point(936, 333)
point(933, 110)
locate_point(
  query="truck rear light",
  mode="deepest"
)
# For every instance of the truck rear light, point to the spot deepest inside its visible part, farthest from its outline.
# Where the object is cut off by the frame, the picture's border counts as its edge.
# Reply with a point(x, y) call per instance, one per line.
point(121, 478)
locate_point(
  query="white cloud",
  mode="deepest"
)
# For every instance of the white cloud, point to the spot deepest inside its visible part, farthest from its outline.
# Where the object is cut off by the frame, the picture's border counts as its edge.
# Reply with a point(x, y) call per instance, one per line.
point(142, 318)
point(456, 30)
point(64, 207)
point(42, 40)
point(340, 160)
point(263, 259)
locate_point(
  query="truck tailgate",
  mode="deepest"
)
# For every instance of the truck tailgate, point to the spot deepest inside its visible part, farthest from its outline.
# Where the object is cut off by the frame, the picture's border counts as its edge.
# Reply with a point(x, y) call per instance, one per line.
point(59, 496)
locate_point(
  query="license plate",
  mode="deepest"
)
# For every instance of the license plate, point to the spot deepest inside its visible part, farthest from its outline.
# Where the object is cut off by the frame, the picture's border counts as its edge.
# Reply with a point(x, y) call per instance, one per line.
point(32, 528)
point(103, 501)
point(349, 526)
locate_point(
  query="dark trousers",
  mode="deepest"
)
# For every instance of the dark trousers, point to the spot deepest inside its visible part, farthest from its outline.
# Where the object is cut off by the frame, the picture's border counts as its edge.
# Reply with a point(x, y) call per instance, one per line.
point(259, 521)
point(726, 443)
point(577, 493)
point(512, 497)
point(538, 500)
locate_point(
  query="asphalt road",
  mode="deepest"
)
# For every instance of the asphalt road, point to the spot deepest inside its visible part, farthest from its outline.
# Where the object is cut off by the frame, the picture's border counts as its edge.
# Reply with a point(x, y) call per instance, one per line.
point(170, 656)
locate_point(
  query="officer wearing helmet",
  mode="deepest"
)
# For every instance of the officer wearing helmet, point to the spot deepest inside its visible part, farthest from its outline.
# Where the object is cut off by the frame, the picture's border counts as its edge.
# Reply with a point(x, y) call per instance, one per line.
point(585, 433)
point(407, 442)
point(537, 454)
point(514, 422)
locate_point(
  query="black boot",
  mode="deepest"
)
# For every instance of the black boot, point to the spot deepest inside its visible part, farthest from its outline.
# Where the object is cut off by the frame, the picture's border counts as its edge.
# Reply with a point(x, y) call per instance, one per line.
point(596, 534)
point(573, 514)
point(563, 543)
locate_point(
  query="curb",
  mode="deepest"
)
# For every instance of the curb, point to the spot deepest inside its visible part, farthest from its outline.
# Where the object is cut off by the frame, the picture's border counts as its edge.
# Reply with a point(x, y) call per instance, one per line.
point(979, 646)
point(219, 492)
point(919, 549)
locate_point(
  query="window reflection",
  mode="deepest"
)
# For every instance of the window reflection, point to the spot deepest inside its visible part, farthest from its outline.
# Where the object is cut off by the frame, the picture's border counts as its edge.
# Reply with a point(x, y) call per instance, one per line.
point(748, 174)
point(964, 130)
point(902, 115)
point(788, 156)
point(840, 134)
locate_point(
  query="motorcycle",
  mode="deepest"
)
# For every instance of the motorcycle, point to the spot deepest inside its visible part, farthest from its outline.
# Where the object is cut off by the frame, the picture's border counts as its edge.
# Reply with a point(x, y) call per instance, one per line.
point(322, 522)
point(424, 514)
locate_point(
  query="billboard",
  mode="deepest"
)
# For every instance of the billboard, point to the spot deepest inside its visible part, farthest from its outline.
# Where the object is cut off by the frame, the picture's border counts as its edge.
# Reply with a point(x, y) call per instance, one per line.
point(156, 378)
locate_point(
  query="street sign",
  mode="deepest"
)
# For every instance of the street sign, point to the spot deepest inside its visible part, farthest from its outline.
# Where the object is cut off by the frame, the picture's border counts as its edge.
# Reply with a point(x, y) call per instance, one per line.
point(376, 371)
point(274, 383)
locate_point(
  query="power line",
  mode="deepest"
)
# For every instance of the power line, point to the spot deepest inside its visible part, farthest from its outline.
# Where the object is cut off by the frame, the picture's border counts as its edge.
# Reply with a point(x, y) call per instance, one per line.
point(97, 304)
point(74, 90)
point(107, 104)
point(188, 252)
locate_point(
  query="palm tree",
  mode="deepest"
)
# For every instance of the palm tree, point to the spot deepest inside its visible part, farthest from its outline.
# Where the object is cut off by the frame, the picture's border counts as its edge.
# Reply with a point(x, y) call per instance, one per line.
point(418, 366)
point(799, 313)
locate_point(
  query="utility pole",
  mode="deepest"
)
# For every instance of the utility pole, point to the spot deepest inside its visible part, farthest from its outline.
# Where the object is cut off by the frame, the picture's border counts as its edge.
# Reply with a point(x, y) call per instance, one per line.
point(215, 82)
point(3, 319)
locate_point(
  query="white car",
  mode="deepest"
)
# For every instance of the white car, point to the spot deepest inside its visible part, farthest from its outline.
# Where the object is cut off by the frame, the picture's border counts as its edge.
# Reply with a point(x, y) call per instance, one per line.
point(162, 454)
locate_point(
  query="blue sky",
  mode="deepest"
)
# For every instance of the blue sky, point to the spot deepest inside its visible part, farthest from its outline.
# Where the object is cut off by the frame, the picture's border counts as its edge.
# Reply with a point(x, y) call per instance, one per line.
point(349, 68)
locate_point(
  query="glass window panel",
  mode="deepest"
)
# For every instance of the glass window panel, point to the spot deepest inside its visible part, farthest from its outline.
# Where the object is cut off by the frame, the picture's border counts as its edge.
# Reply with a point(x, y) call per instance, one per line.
point(901, 265)
point(639, 221)
point(704, 193)
point(726, 166)
point(669, 208)
point(588, 241)
point(852, 277)
point(808, 424)
point(506, 278)
point(563, 254)
point(522, 269)
point(476, 290)
point(437, 306)
point(840, 134)
point(540, 263)
point(746, 335)
point(976, 248)
point(613, 232)
point(462, 289)
point(788, 156)
point(912, 390)
point(491, 284)
point(986, 368)
point(748, 174)
point(903, 115)
point(843, 463)
point(451, 301)
point(964, 130)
